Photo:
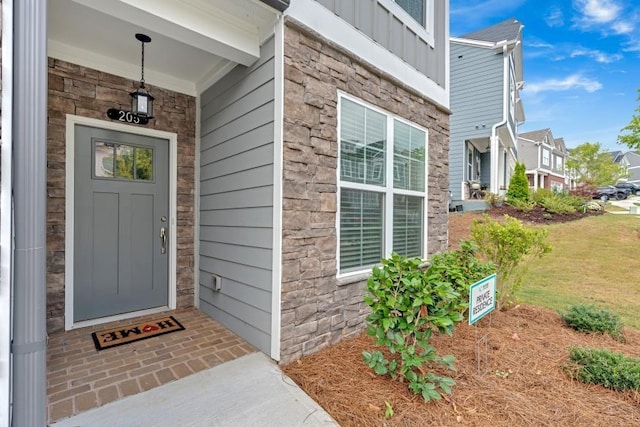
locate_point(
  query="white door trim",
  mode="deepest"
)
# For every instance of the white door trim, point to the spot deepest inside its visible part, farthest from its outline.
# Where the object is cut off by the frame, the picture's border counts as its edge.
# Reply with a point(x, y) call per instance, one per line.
point(72, 121)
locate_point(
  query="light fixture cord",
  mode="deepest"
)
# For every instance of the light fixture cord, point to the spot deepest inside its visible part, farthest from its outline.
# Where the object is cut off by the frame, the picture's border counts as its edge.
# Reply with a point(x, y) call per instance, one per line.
point(142, 77)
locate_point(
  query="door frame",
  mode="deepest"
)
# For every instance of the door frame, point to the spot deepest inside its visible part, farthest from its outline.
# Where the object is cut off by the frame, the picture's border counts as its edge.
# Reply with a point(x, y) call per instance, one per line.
point(172, 138)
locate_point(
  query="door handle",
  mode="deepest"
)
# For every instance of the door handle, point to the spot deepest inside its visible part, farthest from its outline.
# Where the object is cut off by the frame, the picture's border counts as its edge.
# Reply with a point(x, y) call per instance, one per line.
point(163, 237)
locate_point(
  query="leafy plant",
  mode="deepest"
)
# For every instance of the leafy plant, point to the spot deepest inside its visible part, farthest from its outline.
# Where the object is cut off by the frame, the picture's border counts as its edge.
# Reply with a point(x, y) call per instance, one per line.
point(522, 205)
point(388, 412)
point(508, 245)
point(540, 194)
point(609, 369)
point(406, 309)
point(589, 318)
point(494, 200)
point(461, 268)
point(519, 184)
point(557, 204)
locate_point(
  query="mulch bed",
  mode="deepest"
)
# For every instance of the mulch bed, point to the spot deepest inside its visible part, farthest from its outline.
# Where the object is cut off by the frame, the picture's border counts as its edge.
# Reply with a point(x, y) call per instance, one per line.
point(524, 383)
point(539, 215)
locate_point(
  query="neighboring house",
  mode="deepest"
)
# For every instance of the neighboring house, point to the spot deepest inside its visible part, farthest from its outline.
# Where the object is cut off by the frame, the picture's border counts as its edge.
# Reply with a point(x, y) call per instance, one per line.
point(545, 159)
point(486, 79)
point(294, 144)
point(631, 161)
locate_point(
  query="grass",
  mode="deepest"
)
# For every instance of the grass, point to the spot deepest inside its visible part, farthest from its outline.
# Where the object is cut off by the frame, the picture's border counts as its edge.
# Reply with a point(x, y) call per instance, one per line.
point(594, 261)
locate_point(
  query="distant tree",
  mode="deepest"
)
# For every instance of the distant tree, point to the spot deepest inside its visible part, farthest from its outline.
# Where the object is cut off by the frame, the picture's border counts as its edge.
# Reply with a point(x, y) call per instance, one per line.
point(632, 130)
point(519, 184)
point(590, 164)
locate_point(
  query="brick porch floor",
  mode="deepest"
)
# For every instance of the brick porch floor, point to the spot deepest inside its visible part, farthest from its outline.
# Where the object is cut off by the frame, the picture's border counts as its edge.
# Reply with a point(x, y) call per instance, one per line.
point(80, 378)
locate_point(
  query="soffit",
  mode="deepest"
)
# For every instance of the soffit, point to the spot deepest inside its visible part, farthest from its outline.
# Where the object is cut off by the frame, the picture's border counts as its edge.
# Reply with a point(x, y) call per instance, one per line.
point(194, 42)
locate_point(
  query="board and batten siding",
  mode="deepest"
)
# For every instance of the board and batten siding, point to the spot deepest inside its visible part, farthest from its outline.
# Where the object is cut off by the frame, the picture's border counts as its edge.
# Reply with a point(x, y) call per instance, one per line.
point(372, 18)
point(477, 84)
point(528, 154)
point(236, 199)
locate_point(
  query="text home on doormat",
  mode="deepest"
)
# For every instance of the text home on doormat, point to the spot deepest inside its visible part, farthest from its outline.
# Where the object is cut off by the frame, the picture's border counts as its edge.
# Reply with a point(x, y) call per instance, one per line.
point(108, 338)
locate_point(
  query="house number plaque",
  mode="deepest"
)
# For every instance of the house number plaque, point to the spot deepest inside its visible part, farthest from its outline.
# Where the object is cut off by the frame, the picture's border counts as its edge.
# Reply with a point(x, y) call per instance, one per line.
point(126, 117)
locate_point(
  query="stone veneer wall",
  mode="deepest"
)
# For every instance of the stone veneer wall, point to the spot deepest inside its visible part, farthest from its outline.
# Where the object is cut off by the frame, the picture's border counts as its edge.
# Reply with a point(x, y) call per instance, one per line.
point(82, 91)
point(316, 309)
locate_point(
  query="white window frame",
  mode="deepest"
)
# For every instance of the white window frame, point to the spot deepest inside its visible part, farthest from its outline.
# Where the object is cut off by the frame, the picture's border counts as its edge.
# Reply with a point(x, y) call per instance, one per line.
point(559, 162)
point(410, 22)
point(387, 190)
point(546, 157)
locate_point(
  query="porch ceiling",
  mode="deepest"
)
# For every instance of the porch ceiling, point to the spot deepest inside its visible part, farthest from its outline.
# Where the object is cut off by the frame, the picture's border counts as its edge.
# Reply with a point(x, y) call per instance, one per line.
point(194, 42)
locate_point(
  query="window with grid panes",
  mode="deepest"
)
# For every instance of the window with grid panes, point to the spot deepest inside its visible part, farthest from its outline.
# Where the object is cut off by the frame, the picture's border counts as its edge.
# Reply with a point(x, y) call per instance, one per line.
point(415, 8)
point(382, 186)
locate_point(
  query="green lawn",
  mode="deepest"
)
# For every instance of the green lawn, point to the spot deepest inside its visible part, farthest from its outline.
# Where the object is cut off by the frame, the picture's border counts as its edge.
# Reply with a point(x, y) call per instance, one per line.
point(594, 261)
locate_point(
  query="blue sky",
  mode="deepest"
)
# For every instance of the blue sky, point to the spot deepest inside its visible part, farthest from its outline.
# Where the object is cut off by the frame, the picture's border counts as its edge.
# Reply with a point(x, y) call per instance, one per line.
point(581, 62)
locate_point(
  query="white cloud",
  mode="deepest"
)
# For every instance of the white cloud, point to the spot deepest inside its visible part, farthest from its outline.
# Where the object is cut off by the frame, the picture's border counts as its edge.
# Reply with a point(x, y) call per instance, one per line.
point(555, 17)
point(622, 27)
point(597, 11)
point(632, 45)
point(607, 16)
point(599, 56)
point(574, 81)
point(538, 44)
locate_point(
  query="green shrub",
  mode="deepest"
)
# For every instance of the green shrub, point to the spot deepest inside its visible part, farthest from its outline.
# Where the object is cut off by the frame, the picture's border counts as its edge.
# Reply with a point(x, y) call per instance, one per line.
point(540, 194)
point(589, 318)
point(406, 308)
point(461, 268)
point(493, 199)
point(522, 205)
point(609, 369)
point(556, 204)
point(519, 184)
point(507, 245)
point(576, 201)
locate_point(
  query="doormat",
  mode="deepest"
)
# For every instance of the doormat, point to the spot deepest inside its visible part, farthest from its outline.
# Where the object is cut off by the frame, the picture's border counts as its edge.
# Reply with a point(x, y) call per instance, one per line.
point(108, 338)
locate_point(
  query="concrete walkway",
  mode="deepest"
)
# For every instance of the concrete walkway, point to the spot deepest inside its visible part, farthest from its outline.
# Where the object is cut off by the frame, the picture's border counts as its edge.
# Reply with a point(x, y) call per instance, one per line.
point(625, 204)
point(249, 391)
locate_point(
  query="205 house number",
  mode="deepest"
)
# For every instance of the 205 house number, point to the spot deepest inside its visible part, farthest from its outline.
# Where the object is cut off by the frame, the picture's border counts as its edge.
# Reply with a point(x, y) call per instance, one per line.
point(126, 117)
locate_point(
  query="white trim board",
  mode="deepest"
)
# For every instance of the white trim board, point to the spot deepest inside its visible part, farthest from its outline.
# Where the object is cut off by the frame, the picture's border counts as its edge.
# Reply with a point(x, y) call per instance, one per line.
point(278, 130)
point(72, 121)
point(6, 225)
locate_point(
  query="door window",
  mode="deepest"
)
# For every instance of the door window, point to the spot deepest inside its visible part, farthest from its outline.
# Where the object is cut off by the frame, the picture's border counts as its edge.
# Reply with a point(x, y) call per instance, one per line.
point(121, 161)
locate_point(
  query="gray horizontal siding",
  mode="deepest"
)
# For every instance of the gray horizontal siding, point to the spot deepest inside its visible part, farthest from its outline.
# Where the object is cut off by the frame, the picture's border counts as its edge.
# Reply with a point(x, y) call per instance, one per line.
point(251, 276)
point(528, 154)
point(241, 236)
point(236, 199)
point(476, 104)
point(377, 22)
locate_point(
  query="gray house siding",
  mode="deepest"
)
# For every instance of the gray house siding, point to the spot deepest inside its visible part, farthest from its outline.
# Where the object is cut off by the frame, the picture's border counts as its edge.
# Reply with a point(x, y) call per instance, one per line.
point(236, 199)
point(476, 103)
point(528, 154)
point(377, 22)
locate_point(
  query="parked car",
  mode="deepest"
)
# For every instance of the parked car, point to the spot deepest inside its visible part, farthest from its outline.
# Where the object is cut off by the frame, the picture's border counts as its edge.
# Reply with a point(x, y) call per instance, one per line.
point(631, 186)
point(607, 192)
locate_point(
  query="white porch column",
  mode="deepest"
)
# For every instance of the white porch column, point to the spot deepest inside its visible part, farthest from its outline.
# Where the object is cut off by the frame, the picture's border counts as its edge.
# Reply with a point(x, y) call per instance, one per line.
point(494, 185)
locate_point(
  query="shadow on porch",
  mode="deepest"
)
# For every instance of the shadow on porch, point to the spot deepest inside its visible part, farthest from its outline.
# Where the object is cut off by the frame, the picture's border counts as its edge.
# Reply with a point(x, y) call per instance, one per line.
point(80, 378)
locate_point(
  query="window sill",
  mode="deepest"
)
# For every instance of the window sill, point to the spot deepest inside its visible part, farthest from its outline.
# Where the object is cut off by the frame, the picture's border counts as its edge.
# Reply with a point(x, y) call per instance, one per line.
point(364, 275)
point(354, 278)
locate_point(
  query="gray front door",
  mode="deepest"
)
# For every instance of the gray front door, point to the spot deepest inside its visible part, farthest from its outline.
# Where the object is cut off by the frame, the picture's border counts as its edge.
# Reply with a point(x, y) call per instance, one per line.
point(121, 223)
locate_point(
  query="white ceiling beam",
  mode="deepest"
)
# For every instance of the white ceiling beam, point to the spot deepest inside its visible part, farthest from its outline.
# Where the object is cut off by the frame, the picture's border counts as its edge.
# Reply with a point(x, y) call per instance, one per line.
point(209, 29)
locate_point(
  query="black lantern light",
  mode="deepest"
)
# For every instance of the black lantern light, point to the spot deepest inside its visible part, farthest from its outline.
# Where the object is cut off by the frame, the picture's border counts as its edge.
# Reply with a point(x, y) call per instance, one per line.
point(141, 99)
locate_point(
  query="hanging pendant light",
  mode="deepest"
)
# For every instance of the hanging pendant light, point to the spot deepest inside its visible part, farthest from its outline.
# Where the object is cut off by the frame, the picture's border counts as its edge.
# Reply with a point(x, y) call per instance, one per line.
point(141, 99)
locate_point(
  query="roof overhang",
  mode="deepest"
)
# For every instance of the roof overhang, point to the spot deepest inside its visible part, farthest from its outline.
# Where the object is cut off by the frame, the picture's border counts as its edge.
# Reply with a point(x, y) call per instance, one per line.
point(194, 42)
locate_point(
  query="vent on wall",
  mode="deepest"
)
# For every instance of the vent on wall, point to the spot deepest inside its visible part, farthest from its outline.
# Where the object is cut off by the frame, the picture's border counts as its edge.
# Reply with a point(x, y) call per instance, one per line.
point(216, 282)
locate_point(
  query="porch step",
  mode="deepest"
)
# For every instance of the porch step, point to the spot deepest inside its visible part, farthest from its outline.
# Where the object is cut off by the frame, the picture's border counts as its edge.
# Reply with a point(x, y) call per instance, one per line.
point(468, 206)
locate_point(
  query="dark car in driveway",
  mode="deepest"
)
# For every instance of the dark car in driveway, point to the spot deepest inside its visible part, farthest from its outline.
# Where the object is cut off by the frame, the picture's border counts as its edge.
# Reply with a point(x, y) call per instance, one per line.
point(632, 187)
point(607, 192)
